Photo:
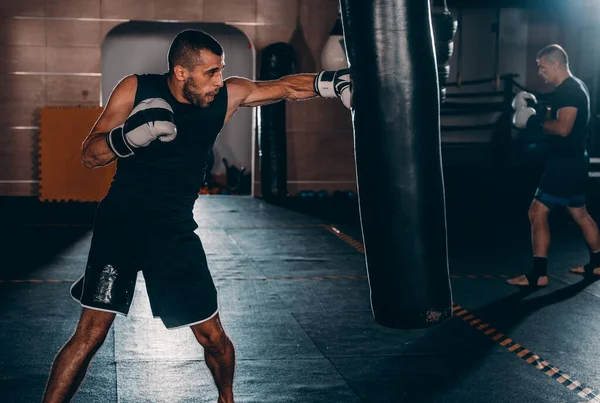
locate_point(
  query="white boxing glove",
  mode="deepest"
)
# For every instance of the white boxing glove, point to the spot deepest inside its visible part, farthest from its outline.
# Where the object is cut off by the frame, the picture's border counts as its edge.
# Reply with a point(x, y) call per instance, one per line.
point(520, 100)
point(331, 84)
point(150, 120)
point(522, 116)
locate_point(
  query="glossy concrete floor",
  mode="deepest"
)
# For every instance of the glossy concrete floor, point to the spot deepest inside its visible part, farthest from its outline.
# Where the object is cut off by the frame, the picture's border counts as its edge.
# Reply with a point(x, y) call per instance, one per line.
point(295, 301)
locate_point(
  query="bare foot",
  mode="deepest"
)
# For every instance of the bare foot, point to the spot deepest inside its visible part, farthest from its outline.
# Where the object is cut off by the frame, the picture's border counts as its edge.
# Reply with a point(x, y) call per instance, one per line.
point(522, 281)
point(581, 270)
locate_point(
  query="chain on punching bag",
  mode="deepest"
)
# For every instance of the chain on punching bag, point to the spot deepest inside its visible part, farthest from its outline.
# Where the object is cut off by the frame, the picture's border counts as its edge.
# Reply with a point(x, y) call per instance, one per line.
point(396, 120)
point(444, 29)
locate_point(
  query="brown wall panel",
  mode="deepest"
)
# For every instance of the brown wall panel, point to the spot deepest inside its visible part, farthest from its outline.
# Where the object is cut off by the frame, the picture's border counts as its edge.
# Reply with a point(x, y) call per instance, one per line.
point(318, 114)
point(277, 12)
point(19, 113)
point(22, 58)
point(18, 189)
point(73, 89)
point(22, 32)
point(18, 154)
point(23, 87)
point(268, 34)
point(73, 60)
point(320, 155)
point(23, 8)
point(73, 8)
point(230, 10)
point(185, 10)
point(63, 33)
point(129, 9)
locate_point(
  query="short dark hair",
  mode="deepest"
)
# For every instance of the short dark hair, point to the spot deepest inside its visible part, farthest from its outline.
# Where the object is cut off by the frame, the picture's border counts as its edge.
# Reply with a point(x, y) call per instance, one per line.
point(186, 46)
point(554, 53)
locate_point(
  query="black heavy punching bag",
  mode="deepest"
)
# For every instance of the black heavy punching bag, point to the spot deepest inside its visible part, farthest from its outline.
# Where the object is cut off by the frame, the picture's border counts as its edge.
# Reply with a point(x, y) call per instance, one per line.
point(277, 60)
point(398, 160)
point(444, 29)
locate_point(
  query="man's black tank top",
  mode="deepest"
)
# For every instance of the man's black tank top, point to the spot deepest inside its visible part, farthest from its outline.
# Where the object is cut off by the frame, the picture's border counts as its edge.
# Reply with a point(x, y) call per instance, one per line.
point(162, 181)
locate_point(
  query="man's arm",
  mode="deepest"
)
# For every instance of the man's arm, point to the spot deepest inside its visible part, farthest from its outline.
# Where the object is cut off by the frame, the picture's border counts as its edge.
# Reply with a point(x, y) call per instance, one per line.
point(244, 92)
point(563, 124)
point(296, 87)
point(94, 150)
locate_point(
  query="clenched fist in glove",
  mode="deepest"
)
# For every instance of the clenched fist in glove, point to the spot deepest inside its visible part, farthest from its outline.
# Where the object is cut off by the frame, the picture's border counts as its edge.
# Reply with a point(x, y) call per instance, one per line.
point(150, 120)
point(524, 99)
point(527, 118)
point(331, 84)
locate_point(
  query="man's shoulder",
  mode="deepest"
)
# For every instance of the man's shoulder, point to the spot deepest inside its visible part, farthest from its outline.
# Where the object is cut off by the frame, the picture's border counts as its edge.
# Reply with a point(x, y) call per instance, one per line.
point(576, 84)
point(572, 87)
point(151, 86)
point(150, 75)
point(150, 78)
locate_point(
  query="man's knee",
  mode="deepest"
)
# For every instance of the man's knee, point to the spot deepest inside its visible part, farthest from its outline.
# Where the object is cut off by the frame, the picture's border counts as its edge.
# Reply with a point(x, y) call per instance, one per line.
point(92, 328)
point(215, 343)
point(538, 212)
point(211, 336)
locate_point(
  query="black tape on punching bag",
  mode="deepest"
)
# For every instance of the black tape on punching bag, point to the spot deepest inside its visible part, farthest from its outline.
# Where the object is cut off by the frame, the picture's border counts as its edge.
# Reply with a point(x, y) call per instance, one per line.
point(444, 29)
point(277, 60)
point(398, 160)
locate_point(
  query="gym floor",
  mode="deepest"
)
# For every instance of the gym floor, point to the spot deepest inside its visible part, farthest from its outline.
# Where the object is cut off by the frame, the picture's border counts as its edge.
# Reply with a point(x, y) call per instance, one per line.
point(295, 300)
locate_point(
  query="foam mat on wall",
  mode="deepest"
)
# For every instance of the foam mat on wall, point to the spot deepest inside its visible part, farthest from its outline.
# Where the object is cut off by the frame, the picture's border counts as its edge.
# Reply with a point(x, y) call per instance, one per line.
point(63, 177)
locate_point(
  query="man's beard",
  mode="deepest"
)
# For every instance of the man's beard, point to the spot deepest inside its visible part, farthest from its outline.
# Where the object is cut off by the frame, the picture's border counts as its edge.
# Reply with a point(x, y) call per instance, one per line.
point(194, 97)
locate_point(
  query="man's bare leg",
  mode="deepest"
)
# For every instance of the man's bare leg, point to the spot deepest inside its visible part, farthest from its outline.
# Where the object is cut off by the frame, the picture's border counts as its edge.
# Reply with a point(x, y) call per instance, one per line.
point(540, 239)
point(71, 363)
point(219, 354)
point(592, 237)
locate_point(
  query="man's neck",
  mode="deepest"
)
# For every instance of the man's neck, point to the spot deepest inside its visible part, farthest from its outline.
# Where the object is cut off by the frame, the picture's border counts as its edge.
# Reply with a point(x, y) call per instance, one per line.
point(562, 78)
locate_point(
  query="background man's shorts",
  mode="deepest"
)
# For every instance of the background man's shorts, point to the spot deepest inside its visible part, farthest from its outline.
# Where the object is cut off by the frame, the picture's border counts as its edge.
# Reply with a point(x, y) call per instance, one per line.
point(564, 182)
point(551, 201)
point(179, 284)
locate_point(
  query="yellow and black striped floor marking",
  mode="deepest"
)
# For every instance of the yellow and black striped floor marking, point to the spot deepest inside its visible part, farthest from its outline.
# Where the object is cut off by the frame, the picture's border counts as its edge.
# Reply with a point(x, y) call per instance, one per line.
point(520, 351)
point(528, 356)
point(346, 238)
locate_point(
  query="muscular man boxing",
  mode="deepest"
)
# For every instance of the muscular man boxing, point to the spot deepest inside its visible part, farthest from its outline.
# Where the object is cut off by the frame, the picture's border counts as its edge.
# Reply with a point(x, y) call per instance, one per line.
point(564, 180)
point(160, 129)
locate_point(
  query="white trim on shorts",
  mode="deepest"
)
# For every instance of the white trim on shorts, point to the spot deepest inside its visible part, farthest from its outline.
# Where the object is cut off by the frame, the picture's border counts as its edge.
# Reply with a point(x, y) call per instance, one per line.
point(73, 285)
point(86, 306)
point(103, 310)
point(125, 315)
point(196, 323)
